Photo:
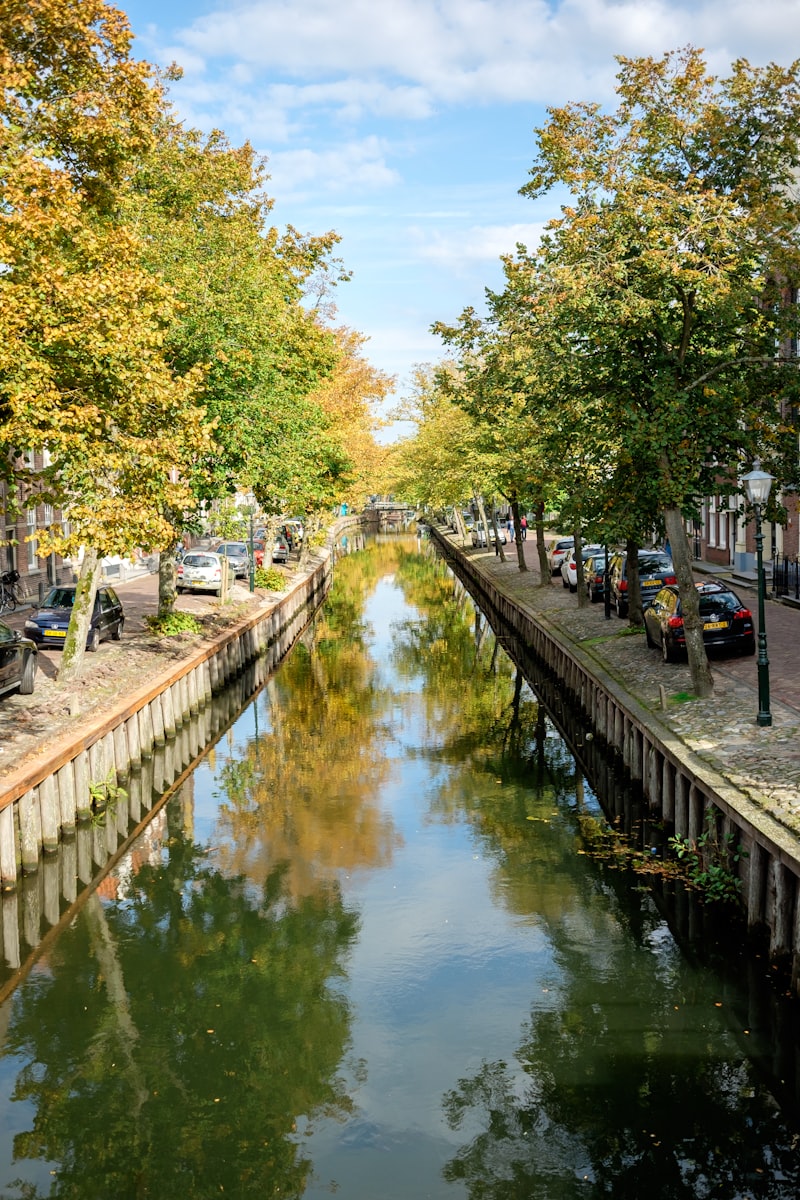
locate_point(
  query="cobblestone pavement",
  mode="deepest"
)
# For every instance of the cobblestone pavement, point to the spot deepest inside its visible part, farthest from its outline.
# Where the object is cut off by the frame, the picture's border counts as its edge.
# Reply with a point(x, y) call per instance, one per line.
point(764, 763)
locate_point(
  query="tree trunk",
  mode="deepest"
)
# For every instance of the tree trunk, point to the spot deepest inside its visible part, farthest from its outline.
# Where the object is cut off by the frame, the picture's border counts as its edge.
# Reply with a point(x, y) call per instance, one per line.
point(634, 593)
point(545, 574)
point(310, 527)
point(166, 584)
point(487, 533)
point(523, 566)
point(498, 545)
point(81, 615)
point(580, 578)
point(702, 679)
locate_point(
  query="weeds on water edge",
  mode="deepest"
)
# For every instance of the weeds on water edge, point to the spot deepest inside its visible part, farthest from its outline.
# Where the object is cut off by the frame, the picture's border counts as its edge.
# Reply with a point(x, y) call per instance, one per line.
point(706, 865)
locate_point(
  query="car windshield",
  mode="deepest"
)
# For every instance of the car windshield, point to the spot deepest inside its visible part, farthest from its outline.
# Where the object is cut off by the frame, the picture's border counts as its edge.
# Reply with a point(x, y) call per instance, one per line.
point(199, 560)
point(718, 602)
point(654, 564)
point(59, 597)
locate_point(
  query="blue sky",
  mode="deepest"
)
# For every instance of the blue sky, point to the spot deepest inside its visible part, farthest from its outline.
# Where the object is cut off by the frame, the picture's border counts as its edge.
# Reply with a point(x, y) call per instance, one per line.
point(407, 125)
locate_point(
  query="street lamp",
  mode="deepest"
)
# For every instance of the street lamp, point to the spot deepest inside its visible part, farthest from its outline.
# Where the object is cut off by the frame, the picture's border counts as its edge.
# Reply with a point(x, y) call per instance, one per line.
point(757, 486)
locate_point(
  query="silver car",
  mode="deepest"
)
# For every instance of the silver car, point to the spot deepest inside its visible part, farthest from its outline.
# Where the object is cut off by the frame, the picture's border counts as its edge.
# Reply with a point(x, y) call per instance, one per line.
point(200, 571)
point(238, 557)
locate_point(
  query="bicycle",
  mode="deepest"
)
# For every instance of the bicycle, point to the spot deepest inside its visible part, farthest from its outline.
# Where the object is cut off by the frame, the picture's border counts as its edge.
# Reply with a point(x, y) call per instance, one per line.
point(8, 595)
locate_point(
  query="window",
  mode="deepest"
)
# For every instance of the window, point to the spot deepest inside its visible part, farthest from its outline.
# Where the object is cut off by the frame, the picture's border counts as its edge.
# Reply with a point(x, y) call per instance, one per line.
point(30, 539)
point(10, 549)
point(48, 514)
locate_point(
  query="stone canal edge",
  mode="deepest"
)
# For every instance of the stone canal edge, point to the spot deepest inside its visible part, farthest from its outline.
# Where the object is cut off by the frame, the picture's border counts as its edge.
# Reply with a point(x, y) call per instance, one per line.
point(44, 799)
point(700, 764)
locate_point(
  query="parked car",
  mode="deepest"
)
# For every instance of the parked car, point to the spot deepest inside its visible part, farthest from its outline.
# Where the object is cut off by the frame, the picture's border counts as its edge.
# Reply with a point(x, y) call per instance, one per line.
point(294, 532)
point(238, 556)
point(200, 571)
point(479, 534)
point(569, 569)
point(280, 550)
point(727, 623)
point(594, 576)
point(48, 625)
point(17, 661)
point(558, 552)
point(655, 570)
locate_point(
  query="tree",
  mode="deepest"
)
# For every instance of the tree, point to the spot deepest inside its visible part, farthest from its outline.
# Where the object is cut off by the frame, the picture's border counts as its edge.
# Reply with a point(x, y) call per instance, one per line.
point(448, 459)
point(684, 215)
point(347, 397)
point(82, 368)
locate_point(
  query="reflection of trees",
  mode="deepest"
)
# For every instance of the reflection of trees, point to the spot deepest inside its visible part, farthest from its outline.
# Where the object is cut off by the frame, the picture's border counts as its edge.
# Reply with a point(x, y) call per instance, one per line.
point(325, 711)
point(604, 1099)
point(600, 1104)
point(174, 1039)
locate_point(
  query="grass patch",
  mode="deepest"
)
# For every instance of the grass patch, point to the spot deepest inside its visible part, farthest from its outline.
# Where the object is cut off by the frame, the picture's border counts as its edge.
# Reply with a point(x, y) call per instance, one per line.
point(682, 697)
point(626, 631)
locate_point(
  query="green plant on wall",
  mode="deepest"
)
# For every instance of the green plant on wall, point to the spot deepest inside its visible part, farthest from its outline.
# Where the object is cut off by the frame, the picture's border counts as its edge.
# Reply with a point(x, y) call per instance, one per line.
point(106, 793)
point(710, 862)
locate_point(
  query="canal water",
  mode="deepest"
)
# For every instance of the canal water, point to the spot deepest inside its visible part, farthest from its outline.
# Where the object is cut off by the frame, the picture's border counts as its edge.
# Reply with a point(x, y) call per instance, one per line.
point(362, 952)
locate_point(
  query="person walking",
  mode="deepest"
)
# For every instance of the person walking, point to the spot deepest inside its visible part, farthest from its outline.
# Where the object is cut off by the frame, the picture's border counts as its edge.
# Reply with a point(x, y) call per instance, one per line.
point(523, 525)
point(510, 528)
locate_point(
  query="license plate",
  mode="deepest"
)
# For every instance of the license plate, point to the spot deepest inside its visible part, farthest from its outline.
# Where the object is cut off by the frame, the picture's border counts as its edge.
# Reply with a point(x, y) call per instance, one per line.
point(651, 583)
point(715, 625)
point(60, 633)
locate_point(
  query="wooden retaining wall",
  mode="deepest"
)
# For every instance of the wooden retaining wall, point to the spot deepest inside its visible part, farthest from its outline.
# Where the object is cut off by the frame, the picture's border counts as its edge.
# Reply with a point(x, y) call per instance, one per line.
point(141, 744)
point(676, 786)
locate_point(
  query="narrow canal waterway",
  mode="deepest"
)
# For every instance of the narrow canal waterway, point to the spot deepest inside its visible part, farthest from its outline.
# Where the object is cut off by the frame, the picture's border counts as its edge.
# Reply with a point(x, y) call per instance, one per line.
point(361, 953)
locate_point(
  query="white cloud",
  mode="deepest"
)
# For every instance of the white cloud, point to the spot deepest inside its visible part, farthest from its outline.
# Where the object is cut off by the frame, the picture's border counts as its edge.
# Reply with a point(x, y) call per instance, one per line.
point(461, 249)
point(432, 51)
point(347, 167)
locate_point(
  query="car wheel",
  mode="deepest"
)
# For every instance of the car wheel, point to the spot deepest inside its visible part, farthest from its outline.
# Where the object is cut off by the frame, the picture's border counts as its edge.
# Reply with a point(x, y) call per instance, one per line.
point(667, 652)
point(647, 637)
point(573, 588)
point(94, 640)
point(117, 634)
point(564, 582)
point(619, 608)
point(178, 591)
point(28, 676)
point(749, 649)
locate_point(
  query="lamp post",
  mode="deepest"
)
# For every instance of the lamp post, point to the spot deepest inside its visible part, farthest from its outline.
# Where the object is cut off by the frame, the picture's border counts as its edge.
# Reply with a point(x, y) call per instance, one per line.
point(757, 486)
point(251, 513)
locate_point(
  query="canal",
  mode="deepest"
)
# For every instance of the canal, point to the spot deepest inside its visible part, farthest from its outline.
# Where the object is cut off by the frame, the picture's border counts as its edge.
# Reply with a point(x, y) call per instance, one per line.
point(362, 951)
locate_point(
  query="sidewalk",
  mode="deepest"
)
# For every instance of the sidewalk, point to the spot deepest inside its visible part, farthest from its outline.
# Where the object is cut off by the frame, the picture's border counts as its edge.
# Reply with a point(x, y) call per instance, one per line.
point(763, 763)
point(782, 625)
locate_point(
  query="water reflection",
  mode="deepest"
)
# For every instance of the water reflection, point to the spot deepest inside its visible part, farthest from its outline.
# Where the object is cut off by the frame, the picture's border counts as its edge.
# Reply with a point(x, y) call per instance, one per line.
point(361, 952)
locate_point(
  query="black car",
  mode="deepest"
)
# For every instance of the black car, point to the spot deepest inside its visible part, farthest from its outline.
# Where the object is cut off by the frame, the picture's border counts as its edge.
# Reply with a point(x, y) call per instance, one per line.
point(594, 576)
point(727, 623)
point(655, 570)
point(17, 661)
point(48, 624)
